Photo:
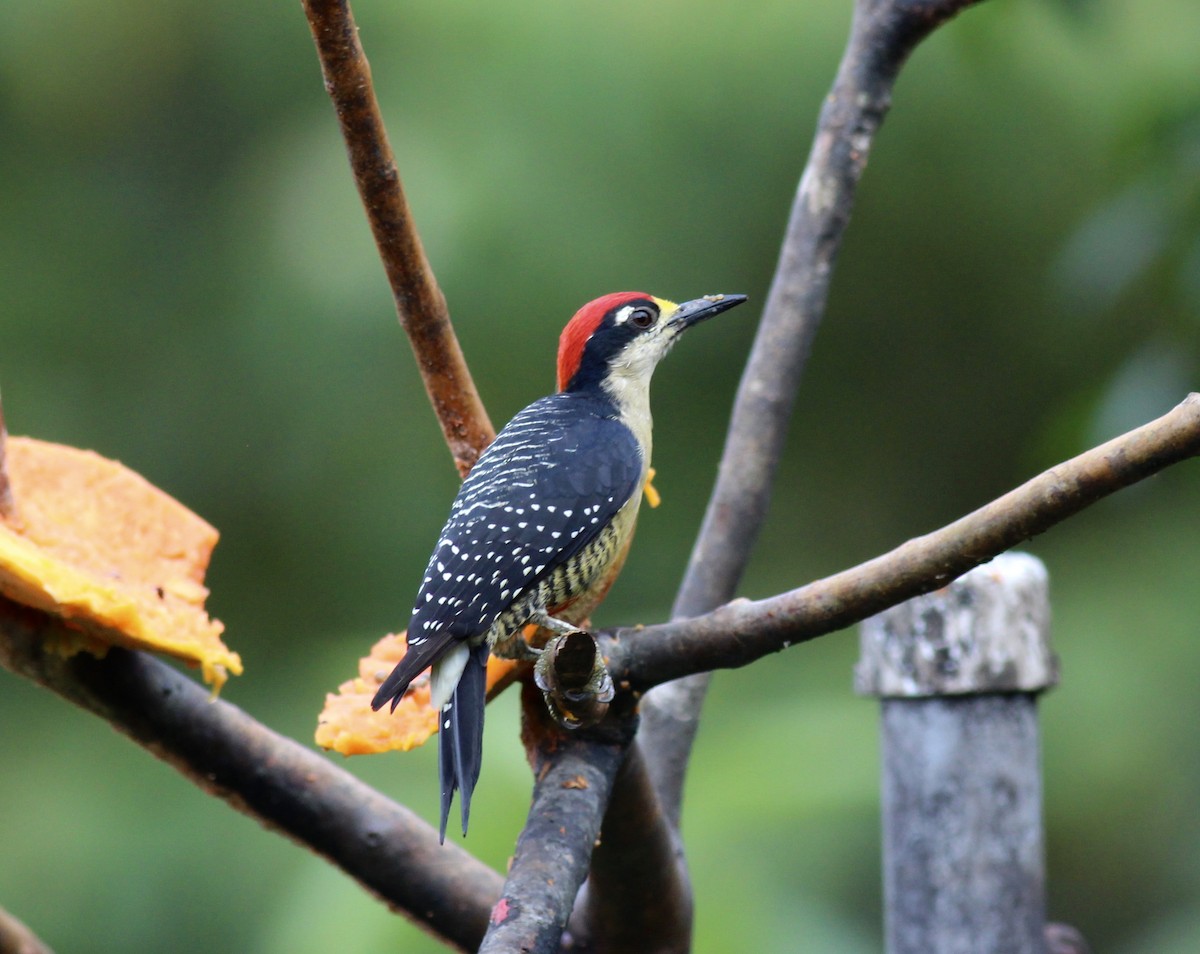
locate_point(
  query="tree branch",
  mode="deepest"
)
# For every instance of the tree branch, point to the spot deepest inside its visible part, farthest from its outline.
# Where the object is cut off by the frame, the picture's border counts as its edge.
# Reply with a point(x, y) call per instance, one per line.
point(882, 35)
point(286, 787)
point(573, 775)
point(743, 631)
point(419, 301)
point(637, 897)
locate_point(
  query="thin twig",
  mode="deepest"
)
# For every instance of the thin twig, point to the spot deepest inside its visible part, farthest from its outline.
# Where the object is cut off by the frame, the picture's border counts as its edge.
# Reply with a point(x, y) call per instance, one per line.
point(419, 301)
point(7, 503)
point(382, 845)
point(882, 35)
point(743, 631)
point(16, 938)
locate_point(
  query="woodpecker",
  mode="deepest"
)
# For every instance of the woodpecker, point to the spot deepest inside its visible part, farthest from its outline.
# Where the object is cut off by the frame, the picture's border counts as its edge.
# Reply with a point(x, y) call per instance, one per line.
point(543, 522)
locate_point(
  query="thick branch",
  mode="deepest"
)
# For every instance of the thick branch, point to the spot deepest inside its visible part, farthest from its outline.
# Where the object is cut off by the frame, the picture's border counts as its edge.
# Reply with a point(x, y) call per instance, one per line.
point(382, 845)
point(419, 302)
point(882, 35)
point(637, 897)
point(639, 856)
point(573, 778)
point(743, 631)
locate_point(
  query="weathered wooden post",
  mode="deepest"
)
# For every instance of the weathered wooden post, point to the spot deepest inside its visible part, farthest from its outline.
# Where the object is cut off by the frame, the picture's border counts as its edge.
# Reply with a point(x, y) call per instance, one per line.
point(959, 671)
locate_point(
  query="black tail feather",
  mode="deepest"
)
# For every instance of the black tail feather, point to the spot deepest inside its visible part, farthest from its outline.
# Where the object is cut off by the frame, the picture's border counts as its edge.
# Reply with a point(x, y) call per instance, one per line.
point(460, 736)
point(420, 655)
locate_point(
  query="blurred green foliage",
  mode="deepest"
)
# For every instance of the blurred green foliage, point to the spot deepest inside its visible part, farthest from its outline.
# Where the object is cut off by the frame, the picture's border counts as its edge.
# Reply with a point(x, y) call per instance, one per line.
point(187, 284)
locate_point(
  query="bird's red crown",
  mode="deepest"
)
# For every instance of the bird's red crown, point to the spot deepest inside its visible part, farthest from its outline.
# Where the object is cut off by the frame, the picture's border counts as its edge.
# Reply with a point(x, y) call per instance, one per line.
point(580, 328)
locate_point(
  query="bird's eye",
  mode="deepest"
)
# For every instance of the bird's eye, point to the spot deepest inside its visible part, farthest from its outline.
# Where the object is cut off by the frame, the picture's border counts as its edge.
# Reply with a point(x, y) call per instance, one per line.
point(641, 318)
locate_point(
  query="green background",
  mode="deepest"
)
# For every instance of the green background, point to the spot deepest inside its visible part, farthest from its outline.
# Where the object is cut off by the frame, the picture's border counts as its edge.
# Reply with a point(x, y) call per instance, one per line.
point(187, 284)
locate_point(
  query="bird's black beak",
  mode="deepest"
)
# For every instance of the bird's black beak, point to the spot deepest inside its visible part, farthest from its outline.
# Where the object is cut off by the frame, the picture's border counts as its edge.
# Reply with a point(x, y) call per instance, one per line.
point(693, 312)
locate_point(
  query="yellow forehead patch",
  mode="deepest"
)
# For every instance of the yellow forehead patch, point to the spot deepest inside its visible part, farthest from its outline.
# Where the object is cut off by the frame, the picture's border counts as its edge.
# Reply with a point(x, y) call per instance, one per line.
point(664, 307)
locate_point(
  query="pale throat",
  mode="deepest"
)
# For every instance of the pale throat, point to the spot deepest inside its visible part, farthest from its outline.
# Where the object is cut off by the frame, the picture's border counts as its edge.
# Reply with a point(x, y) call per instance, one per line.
point(630, 391)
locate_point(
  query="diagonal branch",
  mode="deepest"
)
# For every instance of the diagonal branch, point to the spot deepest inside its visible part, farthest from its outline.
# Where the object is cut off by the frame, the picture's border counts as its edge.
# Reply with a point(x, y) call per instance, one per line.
point(286, 787)
point(882, 35)
point(743, 631)
point(419, 301)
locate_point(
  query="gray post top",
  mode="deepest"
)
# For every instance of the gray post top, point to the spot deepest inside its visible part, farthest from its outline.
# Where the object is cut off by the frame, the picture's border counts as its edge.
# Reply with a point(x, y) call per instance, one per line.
point(988, 631)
